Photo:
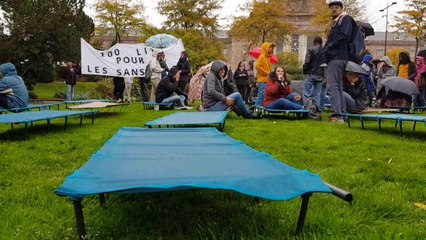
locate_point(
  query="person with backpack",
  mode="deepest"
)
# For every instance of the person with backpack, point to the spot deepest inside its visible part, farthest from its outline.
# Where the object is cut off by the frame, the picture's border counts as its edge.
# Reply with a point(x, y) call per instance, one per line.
point(314, 72)
point(339, 34)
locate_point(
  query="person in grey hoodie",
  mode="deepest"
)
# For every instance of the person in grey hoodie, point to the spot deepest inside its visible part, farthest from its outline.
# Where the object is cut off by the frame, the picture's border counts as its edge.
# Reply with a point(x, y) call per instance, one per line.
point(384, 69)
point(214, 98)
point(13, 92)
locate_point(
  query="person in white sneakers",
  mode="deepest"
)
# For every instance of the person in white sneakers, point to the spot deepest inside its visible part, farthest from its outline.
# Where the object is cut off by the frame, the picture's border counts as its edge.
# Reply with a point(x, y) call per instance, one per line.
point(167, 87)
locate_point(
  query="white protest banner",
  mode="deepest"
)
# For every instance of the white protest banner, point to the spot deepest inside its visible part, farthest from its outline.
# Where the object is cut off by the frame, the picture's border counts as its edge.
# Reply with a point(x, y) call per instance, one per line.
point(123, 60)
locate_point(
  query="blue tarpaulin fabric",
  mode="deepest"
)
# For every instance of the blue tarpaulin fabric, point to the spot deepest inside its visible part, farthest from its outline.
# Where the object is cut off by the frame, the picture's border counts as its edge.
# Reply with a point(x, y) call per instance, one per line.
point(191, 118)
point(138, 160)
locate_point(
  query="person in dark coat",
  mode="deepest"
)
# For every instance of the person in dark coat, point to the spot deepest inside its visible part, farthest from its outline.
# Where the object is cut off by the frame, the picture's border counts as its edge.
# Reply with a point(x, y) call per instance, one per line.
point(163, 64)
point(241, 79)
point(70, 76)
point(184, 66)
point(355, 89)
point(337, 54)
point(167, 87)
point(118, 88)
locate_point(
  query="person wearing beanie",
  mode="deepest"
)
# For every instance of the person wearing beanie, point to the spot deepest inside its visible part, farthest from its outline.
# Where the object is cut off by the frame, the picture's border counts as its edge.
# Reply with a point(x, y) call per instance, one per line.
point(167, 87)
point(13, 92)
point(367, 65)
point(338, 33)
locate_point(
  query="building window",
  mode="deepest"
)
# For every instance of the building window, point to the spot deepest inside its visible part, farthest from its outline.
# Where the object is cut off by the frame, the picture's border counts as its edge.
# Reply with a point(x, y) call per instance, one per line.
point(380, 52)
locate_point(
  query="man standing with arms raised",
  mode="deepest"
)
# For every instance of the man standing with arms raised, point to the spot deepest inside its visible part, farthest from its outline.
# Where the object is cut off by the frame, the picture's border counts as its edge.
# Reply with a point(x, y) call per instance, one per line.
point(339, 33)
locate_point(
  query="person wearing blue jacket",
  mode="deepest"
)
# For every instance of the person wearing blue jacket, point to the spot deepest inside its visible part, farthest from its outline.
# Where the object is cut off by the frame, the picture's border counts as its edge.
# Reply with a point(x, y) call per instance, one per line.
point(13, 92)
point(339, 33)
point(367, 65)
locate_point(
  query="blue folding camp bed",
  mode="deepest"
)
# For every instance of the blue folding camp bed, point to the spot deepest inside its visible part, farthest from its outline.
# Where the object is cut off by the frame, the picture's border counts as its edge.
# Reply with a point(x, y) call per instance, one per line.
point(299, 114)
point(398, 118)
point(28, 118)
point(159, 106)
point(187, 158)
point(30, 107)
point(191, 119)
point(85, 101)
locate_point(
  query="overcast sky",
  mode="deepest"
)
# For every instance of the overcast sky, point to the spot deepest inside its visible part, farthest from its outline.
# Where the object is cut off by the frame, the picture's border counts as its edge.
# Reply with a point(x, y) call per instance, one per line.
point(230, 6)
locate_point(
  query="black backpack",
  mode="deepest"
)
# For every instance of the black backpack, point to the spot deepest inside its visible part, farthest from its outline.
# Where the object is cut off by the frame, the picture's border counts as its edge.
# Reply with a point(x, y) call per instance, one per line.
point(356, 42)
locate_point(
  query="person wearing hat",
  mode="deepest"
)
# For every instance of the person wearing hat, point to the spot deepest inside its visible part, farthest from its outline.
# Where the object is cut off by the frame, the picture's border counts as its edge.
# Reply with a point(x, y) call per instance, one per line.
point(355, 93)
point(167, 87)
point(339, 33)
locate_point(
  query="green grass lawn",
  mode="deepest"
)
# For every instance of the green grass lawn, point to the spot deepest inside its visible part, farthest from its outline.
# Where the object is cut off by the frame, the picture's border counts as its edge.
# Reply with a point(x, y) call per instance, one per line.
point(384, 171)
point(48, 90)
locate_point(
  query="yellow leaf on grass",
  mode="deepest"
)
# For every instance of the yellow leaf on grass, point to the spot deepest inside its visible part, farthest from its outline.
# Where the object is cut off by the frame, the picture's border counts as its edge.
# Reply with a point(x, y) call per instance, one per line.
point(420, 205)
point(390, 160)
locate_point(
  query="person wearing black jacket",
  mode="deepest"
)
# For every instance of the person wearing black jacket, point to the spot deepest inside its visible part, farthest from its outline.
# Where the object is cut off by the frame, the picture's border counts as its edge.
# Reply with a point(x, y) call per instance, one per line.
point(355, 89)
point(241, 77)
point(337, 54)
point(314, 72)
point(184, 66)
point(169, 85)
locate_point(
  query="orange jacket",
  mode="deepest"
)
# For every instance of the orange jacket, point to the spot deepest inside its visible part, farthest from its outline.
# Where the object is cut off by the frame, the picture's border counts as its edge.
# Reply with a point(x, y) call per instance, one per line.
point(263, 65)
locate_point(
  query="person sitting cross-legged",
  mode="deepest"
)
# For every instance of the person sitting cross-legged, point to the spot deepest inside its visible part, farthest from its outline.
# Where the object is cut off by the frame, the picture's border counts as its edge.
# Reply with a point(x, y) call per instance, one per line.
point(214, 98)
point(169, 85)
point(279, 94)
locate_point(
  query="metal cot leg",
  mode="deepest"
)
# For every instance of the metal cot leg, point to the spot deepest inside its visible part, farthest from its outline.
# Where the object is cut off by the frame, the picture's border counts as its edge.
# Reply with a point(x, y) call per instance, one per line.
point(79, 218)
point(303, 211)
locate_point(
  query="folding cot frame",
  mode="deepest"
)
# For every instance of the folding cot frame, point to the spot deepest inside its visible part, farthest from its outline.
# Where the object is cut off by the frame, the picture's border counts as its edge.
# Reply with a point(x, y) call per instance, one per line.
point(77, 198)
point(28, 118)
point(99, 105)
point(30, 107)
point(399, 118)
point(73, 102)
point(154, 105)
point(190, 119)
point(298, 114)
point(340, 193)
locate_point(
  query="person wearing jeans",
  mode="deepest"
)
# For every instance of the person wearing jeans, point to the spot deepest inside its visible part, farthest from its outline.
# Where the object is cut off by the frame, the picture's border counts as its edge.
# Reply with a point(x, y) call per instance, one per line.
point(263, 68)
point(279, 94)
point(70, 76)
point(167, 87)
point(314, 72)
point(214, 98)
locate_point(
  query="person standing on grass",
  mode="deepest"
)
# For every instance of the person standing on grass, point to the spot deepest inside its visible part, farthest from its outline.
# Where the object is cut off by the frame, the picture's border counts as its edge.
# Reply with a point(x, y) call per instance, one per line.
point(118, 88)
point(156, 70)
point(241, 78)
point(13, 92)
point(127, 93)
point(214, 98)
point(263, 68)
point(70, 76)
point(314, 72)
point(184, 66)
point(338, 32)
